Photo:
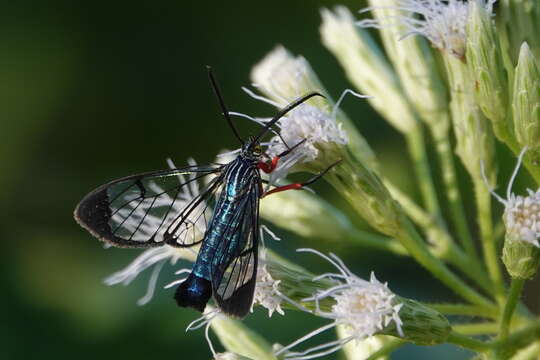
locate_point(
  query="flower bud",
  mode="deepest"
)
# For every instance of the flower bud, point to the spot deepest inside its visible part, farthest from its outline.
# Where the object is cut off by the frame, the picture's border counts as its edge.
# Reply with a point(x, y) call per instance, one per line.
point(521, 251)
point(485, 63)
point(521, 258)
point(414, 62)
point(367, 194)
point(474, 137)
point(366, 67)
point(526, 102)
point(421, 325)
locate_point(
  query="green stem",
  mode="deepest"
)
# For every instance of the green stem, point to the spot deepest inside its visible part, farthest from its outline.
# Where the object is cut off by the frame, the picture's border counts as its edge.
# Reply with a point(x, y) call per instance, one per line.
point(468, 266)
point(476, 329)
point(520, 338)
point(386, 349)
point(417, 248)
point(444, 247)
point(514, 294)
point(376, 241)
point(468, 342)
point(532, 352)
point(465, 309)
point(483, 201)
point(417, 150)
point(455, 201)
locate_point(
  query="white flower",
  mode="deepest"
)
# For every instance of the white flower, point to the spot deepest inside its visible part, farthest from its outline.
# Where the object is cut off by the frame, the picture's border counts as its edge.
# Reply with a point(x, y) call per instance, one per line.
point(157, 257)
point(521, 213)
point(267, 288)
point(309, 123)
point(444, 23)
point(363, 307)
point(313, 127)
point(205, 321)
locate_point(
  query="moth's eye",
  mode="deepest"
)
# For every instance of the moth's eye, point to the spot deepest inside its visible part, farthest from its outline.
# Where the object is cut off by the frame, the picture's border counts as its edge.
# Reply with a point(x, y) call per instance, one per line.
point(257, 150)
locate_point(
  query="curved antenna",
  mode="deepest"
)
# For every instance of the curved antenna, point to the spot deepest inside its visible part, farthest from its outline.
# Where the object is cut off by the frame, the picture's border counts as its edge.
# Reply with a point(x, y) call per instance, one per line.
point(284, 111)
point(224, 110)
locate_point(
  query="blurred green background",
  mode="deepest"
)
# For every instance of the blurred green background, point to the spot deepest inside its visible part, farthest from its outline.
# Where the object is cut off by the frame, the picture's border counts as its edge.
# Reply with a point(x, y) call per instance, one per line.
point(92, 91)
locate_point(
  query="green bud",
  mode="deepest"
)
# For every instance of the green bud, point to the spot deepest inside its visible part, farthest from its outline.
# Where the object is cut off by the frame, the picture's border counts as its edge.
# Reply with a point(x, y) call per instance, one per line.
point(366, 67)
point(485, 63)
point(421, 325)
point(521, 258)
point(526, 102)
point(415, 64)
point(366, 193)
point(295, 282)
point(239, 339)
point(474, 137)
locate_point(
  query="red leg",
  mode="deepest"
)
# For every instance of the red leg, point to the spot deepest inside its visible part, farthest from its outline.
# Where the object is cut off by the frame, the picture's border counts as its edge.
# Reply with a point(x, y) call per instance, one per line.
point(283, 188)
point(297, 186)
point(269, 167)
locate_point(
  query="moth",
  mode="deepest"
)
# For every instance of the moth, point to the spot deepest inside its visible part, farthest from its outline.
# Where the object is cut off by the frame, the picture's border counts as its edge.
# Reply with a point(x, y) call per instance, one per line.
point(145, 210)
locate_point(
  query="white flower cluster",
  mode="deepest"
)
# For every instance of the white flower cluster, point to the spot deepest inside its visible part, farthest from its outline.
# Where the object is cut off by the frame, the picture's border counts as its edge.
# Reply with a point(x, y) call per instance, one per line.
point(522, 216)
point(443, 23)
point(363, 307)
point(267, 289)
point(521, 213)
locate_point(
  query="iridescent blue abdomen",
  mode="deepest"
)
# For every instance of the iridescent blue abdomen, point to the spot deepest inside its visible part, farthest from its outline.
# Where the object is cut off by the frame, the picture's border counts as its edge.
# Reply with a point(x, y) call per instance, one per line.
point(239, 176)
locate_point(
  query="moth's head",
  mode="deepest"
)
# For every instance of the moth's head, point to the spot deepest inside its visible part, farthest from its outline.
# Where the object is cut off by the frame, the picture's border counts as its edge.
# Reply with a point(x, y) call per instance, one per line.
point(252, 149)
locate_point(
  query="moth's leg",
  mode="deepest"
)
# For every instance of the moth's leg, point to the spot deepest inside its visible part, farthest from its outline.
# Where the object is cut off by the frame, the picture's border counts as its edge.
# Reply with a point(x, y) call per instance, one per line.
point(298, 186)
point(269, 167)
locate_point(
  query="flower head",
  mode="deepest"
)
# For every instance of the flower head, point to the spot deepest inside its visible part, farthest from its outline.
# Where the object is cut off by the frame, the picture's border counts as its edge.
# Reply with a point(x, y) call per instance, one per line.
point(363, 307)
point(521, 213)
point(267, 288)
point(443, 23)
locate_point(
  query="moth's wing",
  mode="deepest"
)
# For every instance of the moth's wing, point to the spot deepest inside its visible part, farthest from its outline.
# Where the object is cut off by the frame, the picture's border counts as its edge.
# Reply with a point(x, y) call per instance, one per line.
point(137, 210)
point(234, 265)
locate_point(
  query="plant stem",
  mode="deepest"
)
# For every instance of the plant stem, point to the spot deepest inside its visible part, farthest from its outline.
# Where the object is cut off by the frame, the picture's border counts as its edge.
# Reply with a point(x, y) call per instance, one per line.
point(455, 201)
point(514, 293)
point(468, 342)
point(417, 248)
point(465, 309)
point(417, 150)
point(520, 338)
point(532, 352)
point(376, 241)
point(476, 329)
point(445, 246)
point(483, 201)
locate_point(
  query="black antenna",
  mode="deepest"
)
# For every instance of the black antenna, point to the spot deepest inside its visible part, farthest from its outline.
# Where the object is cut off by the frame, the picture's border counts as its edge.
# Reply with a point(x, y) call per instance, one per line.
point(215, 87)
point(284, 111)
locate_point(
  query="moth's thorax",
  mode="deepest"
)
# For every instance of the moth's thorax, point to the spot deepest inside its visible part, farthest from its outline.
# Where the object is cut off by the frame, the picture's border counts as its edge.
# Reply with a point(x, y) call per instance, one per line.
point(239, 176)
point(251, 150)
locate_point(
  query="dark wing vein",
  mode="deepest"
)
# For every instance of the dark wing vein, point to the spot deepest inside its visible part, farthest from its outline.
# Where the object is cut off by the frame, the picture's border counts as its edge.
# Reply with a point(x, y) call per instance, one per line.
point(137, 210)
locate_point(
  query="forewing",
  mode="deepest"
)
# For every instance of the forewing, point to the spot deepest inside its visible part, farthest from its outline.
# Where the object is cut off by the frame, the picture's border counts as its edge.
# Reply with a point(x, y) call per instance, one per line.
point(137, 211)
point(234, 265)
